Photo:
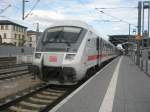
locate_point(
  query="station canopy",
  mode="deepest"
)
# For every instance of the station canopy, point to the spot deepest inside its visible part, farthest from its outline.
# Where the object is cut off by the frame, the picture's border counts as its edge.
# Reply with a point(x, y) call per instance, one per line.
point(120, 39)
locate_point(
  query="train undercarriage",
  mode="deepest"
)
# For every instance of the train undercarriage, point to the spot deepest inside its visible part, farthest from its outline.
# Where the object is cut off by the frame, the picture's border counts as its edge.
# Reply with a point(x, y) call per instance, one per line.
point(60, 74)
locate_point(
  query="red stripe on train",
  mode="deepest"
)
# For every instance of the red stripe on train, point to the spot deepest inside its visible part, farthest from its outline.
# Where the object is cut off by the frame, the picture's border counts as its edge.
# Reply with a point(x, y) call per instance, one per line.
point(94, 57)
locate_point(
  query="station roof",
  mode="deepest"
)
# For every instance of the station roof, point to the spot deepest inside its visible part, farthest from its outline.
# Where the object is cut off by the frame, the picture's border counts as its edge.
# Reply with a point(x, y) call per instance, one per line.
point(120, 39)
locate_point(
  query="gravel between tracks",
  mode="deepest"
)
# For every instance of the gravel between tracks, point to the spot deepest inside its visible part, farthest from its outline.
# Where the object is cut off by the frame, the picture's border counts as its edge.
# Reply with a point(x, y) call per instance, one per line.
point(15, 85)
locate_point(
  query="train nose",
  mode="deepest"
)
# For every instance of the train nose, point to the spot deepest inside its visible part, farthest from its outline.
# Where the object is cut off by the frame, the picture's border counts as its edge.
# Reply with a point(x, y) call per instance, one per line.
point(53, 59)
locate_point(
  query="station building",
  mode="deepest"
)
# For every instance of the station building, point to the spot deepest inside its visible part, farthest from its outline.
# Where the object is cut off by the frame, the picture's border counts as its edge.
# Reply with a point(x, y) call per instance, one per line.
point(12, 33)
point(31, 38)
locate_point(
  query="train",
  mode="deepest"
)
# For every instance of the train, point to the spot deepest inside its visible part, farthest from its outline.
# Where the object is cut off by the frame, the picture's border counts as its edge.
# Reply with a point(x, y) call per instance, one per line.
point(68, 51)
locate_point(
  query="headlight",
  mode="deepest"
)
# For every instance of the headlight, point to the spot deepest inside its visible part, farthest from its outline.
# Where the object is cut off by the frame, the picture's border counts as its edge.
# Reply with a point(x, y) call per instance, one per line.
point(70, 56)
point(37, 55)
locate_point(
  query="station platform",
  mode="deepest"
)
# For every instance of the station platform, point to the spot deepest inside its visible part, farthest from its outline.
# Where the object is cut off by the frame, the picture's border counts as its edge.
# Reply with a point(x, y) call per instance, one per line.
point(119, 87)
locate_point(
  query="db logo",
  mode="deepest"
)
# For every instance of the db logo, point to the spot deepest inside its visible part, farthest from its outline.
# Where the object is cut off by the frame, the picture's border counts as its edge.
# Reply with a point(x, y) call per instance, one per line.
point(52, 58)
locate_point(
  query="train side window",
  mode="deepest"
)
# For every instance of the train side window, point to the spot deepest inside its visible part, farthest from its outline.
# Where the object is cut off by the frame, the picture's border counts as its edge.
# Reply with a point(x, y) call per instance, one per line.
point(97, 43)
point(102, 44)
point(91, 41)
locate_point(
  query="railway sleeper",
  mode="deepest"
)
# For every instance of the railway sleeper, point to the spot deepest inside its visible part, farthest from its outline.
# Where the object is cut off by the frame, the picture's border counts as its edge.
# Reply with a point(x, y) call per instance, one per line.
point(46, 97)
point(20, 109)
point(55, 90)
point(40, 100)
point(35, 105)
point(51, 93)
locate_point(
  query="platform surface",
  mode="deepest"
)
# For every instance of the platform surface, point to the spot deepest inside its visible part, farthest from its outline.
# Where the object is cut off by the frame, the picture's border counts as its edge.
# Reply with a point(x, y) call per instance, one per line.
point(120, 87)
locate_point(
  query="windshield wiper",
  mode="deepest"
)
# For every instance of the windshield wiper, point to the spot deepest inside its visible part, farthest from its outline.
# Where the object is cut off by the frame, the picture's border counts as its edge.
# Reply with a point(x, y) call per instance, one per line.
point(67, 43)
point(60, 37)
point(56, 37)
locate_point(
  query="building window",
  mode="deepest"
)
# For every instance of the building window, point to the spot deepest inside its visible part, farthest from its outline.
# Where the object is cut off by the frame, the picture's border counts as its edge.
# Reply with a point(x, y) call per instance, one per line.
point(30, 45)
point(30, 39)
point(6, 27)
point(5, 36)
point(20, 29)
point(15, 36)
point(14, 27)
point(23, 30)
point(2, 27)
point(23, 37)
point(19, 37)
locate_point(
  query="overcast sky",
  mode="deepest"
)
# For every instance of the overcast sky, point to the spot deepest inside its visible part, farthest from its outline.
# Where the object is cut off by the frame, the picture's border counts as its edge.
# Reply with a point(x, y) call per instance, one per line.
point(48, 11)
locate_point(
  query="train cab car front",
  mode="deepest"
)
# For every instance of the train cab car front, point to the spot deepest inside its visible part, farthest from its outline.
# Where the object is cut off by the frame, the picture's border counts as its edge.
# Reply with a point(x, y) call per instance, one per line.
point(62, 67)
point(56, 53)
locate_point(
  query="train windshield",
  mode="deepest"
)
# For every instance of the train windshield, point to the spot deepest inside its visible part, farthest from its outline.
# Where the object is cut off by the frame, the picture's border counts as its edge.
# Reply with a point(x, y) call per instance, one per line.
point(62, 35)
point(61, 39)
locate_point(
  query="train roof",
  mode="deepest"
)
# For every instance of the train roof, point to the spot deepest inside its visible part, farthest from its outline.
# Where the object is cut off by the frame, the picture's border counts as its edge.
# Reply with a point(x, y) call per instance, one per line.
point(76, 23)
point(72, 23)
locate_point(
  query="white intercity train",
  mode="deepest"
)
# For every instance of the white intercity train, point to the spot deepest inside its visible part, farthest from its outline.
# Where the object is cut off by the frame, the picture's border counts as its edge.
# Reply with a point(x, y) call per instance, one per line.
point(67, 50)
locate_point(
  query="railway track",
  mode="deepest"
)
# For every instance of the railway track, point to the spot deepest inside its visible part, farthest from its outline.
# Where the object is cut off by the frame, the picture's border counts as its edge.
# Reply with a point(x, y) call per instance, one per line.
point(14, 71)
point(10, 62)
point(7, 61)
point(14, 65)
point(38, 99)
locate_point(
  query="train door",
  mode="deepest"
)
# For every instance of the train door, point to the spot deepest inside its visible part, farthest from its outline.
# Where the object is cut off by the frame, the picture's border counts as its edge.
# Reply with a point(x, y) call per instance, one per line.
point(91, 50)
point(101, 49)
point(98, 51)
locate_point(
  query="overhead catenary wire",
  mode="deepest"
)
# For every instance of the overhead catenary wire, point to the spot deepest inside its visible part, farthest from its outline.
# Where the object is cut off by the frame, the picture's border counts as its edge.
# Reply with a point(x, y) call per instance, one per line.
point(121, 20)
point(89, 12)
point(7, 4)
point(117, 8)
point(32, 8)
point(106, 21)
point(3, 10)
point(13, 4)
point(118, 19)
